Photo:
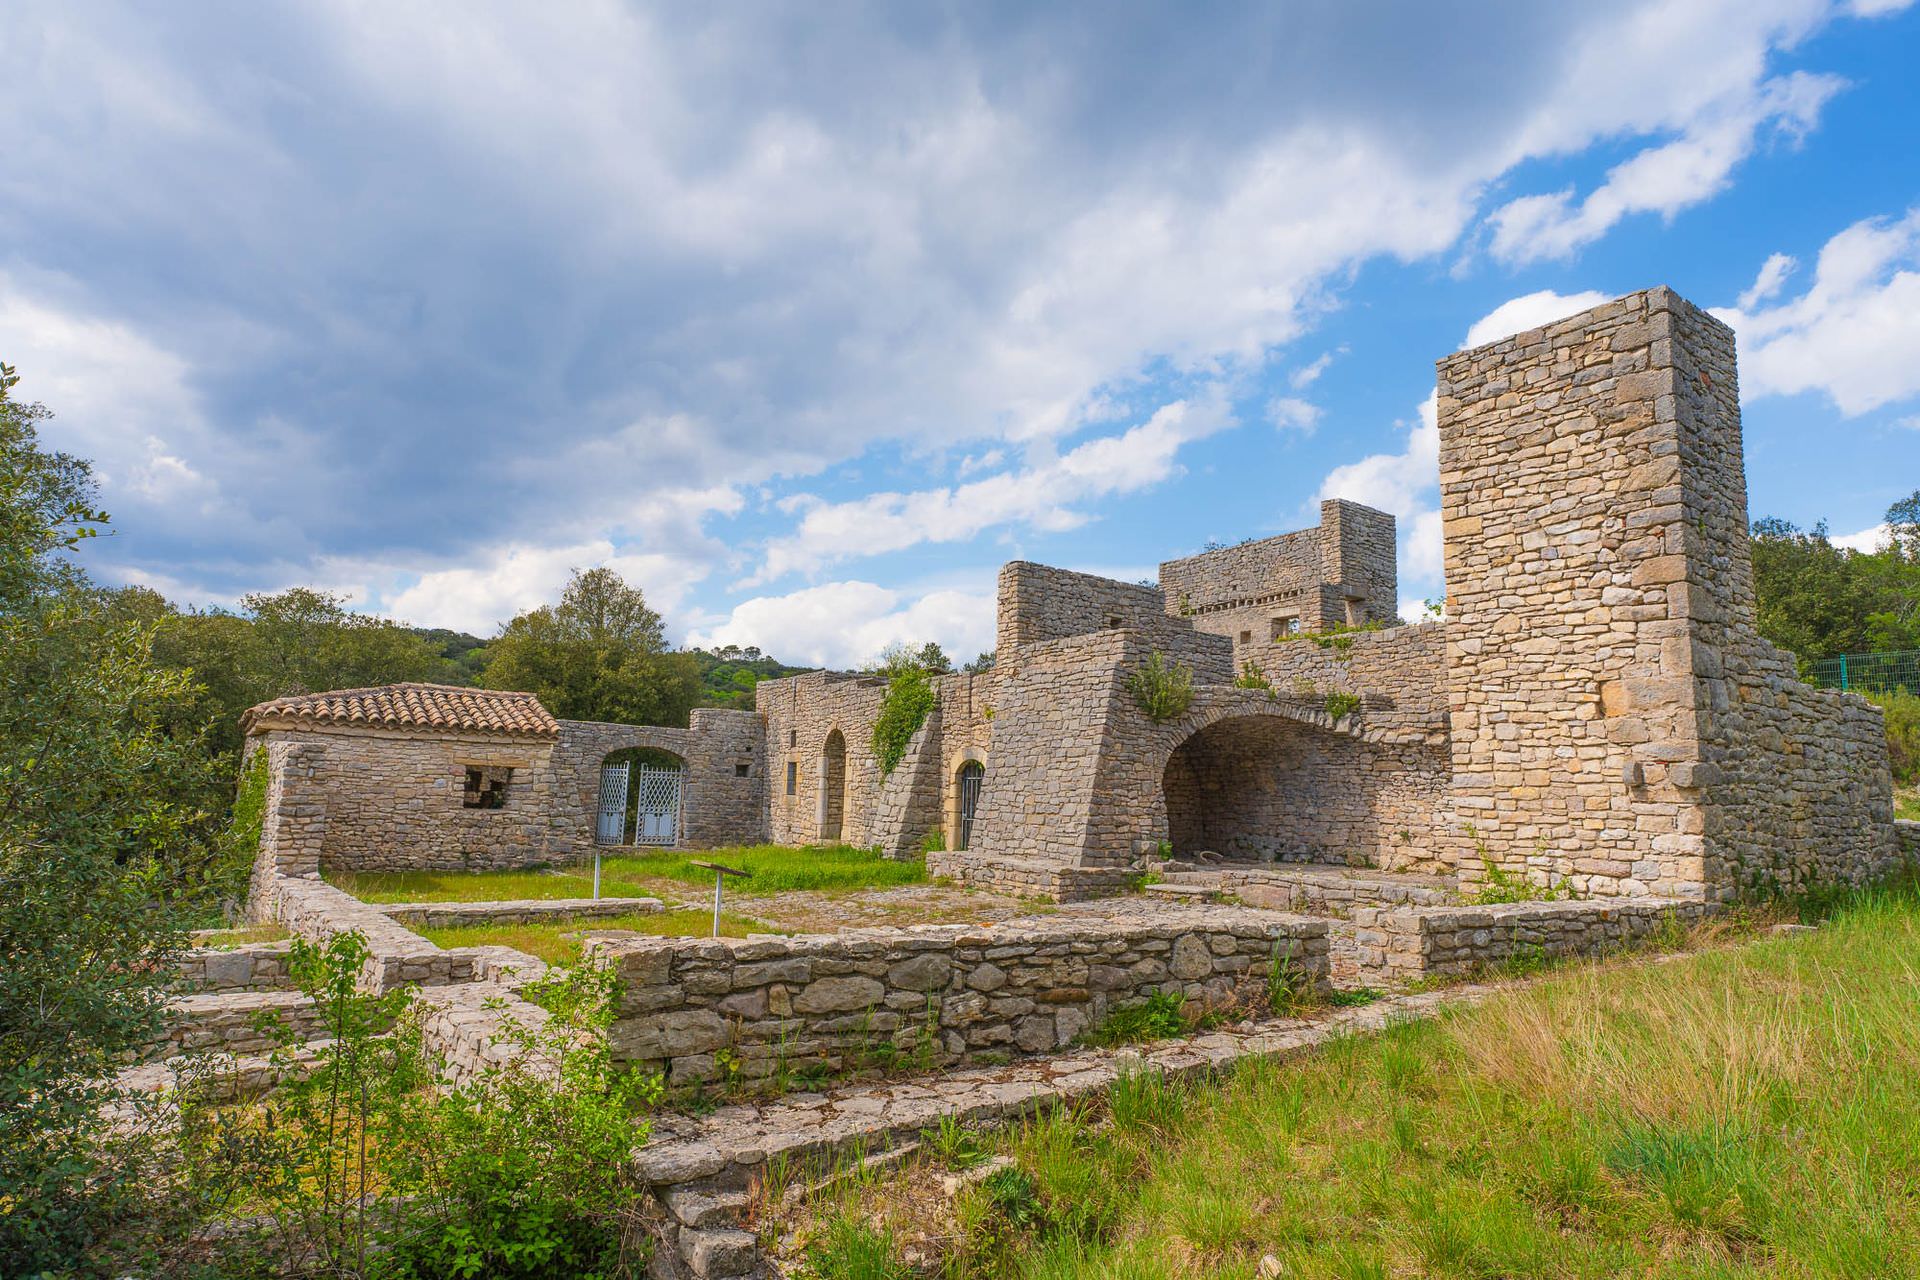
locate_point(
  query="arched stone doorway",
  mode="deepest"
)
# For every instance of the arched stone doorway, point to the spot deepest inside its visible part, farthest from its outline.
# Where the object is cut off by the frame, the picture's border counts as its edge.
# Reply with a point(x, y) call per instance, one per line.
point(1259, 787)
point(833, 787)
point(641, 794)
point(968, 783)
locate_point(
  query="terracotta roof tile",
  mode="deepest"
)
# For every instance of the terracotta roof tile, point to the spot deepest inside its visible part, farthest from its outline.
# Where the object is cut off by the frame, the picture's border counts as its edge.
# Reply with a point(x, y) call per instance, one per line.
point(421, 706)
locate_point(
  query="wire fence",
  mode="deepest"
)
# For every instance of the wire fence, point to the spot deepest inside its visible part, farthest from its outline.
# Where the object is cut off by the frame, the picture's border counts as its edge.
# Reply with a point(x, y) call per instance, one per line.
point(1869, 672)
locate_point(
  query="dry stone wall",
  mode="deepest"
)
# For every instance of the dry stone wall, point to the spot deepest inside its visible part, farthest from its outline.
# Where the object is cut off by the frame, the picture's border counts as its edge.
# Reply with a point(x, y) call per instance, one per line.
point(938, 995)
point(1616, 725)
point(1401, 944)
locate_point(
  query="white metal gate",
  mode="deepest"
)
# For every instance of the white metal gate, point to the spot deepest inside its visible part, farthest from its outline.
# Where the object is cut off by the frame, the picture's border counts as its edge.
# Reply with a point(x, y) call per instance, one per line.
point(657, 817)
point(612, 826)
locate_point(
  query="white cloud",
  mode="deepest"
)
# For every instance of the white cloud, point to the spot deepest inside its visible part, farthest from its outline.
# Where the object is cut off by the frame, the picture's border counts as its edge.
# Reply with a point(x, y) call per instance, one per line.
point(1667, 178)
point(1041, 495)
point(1291, 413)
point(478, 598)
point(1405, 484)
point(1854, 334)
point(1874, 539)
point(1530, 311)
point(1773, 273)
point(1308, 374)
point(844, 625)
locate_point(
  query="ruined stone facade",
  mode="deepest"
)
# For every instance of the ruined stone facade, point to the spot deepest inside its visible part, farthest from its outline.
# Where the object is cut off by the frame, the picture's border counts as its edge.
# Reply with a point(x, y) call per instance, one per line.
point(1597, 712)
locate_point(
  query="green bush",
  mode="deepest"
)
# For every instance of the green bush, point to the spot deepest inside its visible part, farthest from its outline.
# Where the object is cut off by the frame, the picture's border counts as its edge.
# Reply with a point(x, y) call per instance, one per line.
point(910, 698)
point(1159, 1017)
point(1902, 709)
point(1162, 690)
point(1341, 705)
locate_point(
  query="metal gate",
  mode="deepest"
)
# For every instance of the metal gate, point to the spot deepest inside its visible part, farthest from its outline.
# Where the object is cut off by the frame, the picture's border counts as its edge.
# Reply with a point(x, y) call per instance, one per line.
point(972, 774)
point(612, 825)
point(657, 816)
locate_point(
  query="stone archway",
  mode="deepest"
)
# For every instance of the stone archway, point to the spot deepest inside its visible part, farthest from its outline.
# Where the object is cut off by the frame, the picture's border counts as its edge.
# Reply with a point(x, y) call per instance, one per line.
point(1264, 787)
point(833, 787)
point(641, 797)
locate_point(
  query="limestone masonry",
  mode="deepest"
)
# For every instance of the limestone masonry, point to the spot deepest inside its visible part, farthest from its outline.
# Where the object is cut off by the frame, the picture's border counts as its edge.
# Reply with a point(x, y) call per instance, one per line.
point(1596, 713)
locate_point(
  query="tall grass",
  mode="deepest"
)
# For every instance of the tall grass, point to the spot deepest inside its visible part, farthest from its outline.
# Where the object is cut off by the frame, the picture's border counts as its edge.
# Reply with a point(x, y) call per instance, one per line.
point(1742, 1111)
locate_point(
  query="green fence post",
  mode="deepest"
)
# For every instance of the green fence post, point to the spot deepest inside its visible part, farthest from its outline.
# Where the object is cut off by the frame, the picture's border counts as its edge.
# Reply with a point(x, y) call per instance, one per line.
point(1843, 672)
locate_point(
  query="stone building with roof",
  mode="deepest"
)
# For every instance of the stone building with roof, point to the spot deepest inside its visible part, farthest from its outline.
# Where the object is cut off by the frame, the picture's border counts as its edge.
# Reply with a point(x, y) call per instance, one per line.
point(1596, 712)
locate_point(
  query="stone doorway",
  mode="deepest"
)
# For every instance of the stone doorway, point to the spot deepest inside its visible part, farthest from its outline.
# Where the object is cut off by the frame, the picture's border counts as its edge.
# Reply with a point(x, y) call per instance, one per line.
point(833, 787)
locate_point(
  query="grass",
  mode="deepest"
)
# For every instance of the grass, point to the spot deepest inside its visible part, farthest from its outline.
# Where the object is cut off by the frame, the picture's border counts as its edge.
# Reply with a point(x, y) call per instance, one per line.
point(1735, 1112)
point(774, 868)
point(227, 939)
point(561, 942)
point(1906, 803)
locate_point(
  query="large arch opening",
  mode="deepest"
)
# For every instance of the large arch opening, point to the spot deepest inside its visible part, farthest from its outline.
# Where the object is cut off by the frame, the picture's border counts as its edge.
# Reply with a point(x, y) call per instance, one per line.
point(1261, 788)
point(641, 789)
point(833, 787)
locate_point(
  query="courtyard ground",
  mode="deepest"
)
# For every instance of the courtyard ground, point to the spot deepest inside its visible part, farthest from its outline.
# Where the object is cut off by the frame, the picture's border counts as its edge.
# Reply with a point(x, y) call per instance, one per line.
point(1744, 1110)
point(817, 889)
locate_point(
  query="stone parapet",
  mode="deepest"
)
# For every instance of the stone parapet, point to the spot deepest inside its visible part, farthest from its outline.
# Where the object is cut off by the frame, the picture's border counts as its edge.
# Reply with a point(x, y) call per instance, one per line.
point(1399, 944)
point(257, 966)
point(1031, 877)
point(935, 995)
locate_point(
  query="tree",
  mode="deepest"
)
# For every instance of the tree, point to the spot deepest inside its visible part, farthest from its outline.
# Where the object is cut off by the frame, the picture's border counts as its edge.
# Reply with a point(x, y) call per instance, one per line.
point(928, 658)
point(92, 837)
point(982, 664)
point(1818, 600)
point(600, 654)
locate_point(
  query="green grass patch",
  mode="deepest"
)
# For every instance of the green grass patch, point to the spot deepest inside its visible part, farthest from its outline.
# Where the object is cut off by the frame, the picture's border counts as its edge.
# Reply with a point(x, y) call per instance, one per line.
point(1906, 804)
point(560, 942)
point(1735, 1112)
point(774, 868)
point(227, 939)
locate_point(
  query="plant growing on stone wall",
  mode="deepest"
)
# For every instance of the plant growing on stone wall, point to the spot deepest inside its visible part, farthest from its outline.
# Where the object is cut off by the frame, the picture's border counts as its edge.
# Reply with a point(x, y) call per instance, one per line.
point(1339, 638)
point(1305, 689)
point(1251, 677)
point(1341, 705)
point(935, 841)
point(1159, 1017)
point(1503, 886)
point(1289, 987)
point(910, 698)
point(1162, 690)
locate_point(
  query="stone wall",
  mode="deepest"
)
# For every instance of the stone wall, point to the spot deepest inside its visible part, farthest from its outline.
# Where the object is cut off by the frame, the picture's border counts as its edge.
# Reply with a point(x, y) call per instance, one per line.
point(1402, 944)
point(1342, 573)
point(255, 966)
point(1616, 724)
point(801, 713)
point(939, 994)
point(1401, 672)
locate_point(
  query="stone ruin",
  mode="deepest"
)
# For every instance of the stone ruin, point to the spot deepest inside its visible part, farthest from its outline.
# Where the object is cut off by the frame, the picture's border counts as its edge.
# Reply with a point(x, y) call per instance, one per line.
point(1596, 716)
point(1597, 712)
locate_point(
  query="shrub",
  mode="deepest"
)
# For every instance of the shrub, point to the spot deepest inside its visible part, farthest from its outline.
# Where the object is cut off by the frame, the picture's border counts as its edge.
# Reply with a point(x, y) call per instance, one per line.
point(1162, 690)
point(1341, 705)
point(910, 697)
point(1902, 710)
point(1502, 886)
point(1158, 1017)
point(1251, 677)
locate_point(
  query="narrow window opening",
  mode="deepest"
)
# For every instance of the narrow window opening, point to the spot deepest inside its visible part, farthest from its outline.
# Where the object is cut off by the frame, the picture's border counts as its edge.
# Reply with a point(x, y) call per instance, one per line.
point(793, 776)
point(741, 769)
point(486, 787)
point(1113, 622)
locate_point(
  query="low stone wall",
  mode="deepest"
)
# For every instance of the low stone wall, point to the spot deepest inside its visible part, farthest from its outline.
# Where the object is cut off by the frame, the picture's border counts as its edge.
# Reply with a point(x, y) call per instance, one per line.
point(1031, 877)
point(941, 995)
point(1907, 834)
point(464, 1029)
point(256, 966)
point(315, 909)
point(1402, 944)
point(453, 915)
point(1324, 892)
point(238, 1021)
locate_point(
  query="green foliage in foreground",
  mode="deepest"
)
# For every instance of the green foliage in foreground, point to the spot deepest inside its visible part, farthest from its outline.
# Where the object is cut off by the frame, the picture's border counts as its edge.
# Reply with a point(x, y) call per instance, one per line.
point(1738, 1112)
point(775, 869)
point(361, 1170)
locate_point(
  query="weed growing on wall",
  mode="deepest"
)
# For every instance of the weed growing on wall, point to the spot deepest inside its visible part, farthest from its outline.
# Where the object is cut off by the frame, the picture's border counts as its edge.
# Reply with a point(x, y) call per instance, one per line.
point(910, 698)
point(1160, 1016)
point(1251, 677)
point(1341, 705)
point(1163, 690)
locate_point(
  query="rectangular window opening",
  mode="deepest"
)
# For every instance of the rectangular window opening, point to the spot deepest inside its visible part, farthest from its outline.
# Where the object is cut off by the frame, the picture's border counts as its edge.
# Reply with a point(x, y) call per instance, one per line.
point(793, 776)
point(1287, 625)
point(741, 768)
point(486, 787)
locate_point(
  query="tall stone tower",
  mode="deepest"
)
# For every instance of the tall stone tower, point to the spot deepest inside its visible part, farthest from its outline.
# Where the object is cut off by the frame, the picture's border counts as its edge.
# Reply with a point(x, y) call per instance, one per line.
point(1616, 721)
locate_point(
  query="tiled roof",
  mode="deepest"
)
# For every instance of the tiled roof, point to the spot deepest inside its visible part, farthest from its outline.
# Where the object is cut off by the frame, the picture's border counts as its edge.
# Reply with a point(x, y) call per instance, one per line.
point(414, 706)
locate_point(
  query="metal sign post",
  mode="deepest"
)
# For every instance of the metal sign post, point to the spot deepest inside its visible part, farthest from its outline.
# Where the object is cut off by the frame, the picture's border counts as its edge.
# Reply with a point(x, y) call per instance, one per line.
point(596, 875)
point(720, 875)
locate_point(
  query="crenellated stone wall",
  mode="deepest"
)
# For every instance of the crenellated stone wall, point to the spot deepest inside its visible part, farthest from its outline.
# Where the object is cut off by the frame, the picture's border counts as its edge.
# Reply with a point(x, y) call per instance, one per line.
point(937, 995)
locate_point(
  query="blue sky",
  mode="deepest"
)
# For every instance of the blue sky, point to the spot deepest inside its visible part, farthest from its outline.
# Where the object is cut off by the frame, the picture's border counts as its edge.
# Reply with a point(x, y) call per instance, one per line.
point(806, 318)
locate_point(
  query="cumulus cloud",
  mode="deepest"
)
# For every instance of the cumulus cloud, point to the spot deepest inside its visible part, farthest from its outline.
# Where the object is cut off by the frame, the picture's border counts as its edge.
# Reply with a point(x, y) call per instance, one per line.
point(1406, 484)
point(1530, 311)
point(1291, 413)
point(1854, 334)
point(1874, 539)
point(1040, 496)
point(844, 625)
point(1667, 178)
point(1773, 273)
point(604, 252)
